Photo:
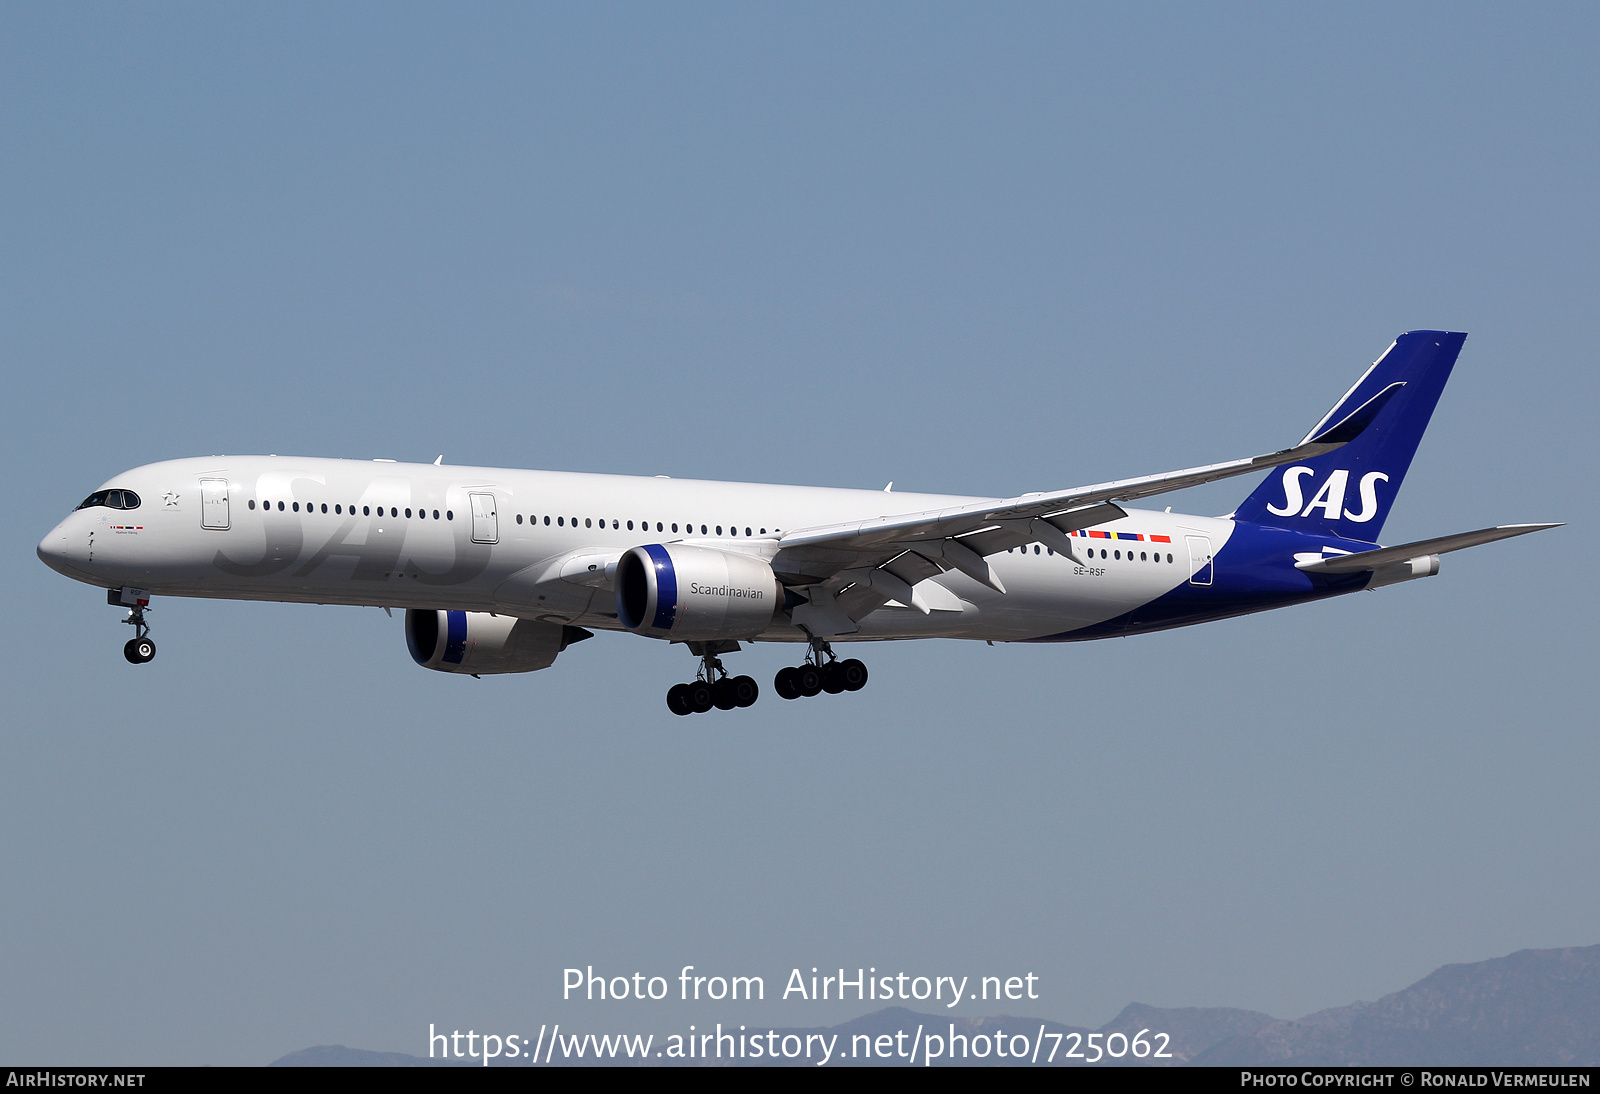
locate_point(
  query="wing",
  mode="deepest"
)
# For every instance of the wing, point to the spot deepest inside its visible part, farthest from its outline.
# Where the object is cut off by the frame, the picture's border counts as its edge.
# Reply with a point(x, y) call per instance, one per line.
point(850, 570)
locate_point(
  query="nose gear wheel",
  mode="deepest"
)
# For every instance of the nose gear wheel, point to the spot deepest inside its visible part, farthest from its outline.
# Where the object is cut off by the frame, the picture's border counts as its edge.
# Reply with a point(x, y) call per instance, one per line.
point(139, 649)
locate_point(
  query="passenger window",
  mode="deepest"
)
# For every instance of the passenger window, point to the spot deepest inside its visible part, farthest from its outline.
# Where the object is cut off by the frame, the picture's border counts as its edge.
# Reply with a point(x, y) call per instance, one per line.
point(366, 511)
point(519, 518)
point(658, 526)
point(703, 530)
point(630, 526)
point(449, 514)
point(1141, 556)
point(1035, 548)
point(251, 503)
point(296, 507)
point(408, 512)
point(586, 522)
point(324, 507)
point(719, 529)
point(1169, 558)
point(561, 522)
point(674, 527)
point(436, 514)
point(280, 507)
point(547, 522)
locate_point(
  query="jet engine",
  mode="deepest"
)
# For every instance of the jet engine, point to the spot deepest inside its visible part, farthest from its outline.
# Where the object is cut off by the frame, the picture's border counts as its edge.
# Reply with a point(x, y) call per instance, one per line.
point(695, 594)
point(482, 643)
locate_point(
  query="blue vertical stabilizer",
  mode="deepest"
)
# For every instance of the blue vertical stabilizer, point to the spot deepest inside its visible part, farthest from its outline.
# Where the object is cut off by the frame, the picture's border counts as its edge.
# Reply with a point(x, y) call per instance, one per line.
point(1348, 492)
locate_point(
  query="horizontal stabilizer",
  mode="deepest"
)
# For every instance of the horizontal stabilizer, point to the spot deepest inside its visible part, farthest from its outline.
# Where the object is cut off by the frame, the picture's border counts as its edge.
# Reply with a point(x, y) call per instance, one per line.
point(1385, 556)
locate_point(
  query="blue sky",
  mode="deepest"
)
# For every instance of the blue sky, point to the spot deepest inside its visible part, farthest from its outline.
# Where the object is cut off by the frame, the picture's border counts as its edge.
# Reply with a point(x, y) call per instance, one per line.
point(970, 250)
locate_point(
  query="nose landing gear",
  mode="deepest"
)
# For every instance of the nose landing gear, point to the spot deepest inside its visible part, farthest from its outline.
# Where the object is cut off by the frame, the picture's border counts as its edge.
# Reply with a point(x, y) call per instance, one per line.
point(712, 686)
point(139, 649)
point(822, 671)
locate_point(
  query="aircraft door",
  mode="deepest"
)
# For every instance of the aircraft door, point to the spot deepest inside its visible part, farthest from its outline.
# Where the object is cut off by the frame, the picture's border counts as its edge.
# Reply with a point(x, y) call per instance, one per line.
point(214, 504)
point(485, 519)
point(1199, 559)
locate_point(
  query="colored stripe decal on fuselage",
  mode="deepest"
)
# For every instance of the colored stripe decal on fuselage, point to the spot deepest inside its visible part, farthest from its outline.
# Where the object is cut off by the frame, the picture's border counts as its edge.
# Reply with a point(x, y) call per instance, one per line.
point(1138, 536)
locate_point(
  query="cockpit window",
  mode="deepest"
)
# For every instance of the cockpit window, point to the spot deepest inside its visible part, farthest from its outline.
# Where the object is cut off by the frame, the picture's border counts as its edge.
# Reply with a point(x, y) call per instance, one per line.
point(111, 499)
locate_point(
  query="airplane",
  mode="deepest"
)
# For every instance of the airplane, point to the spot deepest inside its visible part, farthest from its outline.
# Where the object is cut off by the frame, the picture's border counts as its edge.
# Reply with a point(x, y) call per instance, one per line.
point(500, 570)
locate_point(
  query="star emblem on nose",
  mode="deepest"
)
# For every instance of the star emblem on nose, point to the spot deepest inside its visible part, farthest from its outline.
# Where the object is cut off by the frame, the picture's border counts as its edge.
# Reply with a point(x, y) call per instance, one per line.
point(171, 499)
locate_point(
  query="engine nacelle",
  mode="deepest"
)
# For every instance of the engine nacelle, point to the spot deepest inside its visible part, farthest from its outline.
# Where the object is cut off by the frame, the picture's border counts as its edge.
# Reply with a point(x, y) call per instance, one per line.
point(480, 643)
point(695, 594)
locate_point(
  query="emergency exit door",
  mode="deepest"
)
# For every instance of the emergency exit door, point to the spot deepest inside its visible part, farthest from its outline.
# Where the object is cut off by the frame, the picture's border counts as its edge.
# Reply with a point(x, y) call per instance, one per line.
point(485, 519)
point(1199, 559)
point(214, 504)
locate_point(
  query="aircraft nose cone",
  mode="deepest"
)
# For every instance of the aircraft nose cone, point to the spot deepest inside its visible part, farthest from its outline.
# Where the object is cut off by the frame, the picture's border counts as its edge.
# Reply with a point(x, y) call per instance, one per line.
point(54, 552)
point(53, 548)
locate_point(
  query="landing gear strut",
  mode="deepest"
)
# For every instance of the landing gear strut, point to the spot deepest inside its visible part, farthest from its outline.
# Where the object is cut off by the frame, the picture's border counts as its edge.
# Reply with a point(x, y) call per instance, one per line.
point(822, 671)
point(712, 687)
point(138, 649)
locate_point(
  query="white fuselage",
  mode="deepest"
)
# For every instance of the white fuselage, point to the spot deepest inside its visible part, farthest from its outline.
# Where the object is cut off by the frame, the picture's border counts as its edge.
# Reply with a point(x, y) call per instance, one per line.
point(513, 542)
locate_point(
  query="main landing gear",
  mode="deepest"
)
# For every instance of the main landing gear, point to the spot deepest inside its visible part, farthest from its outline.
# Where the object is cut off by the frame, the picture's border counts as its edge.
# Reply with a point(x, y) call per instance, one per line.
point(712, 687)
point(139, 649)
point(822, 671)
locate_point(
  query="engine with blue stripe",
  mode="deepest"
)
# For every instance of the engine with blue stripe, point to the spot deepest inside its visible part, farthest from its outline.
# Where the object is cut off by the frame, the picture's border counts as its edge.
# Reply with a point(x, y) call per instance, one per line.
point(695, 594)
point(484, 643)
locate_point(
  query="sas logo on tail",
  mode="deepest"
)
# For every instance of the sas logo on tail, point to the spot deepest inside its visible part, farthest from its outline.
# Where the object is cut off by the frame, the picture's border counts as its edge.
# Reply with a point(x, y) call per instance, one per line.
point(1330, 499)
